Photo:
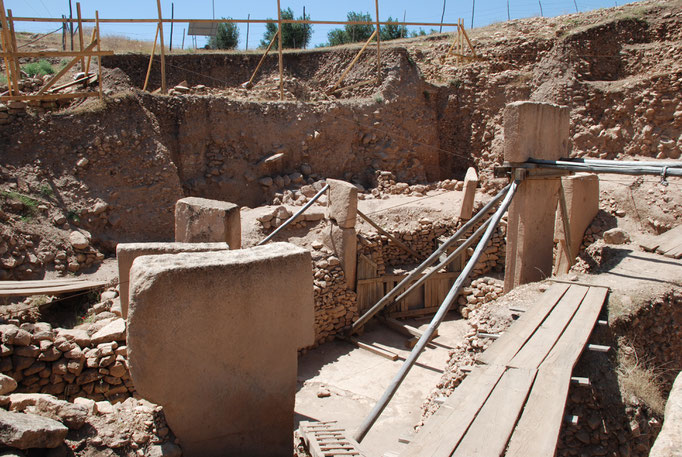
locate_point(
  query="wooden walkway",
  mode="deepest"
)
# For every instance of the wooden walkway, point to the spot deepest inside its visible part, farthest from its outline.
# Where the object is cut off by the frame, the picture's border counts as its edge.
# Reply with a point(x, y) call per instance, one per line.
point(513, 403)
point(47, 287)
point(669, 244)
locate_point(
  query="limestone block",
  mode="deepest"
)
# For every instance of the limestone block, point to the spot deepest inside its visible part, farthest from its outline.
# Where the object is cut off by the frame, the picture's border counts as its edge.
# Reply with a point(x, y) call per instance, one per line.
point(582, 202)
point(530, 232)
point(667, 443)
point(343, 203)
point(344, 244)
point(470, 184)
point(126, 253)
point(538, 130)
point(213, 338)
point(200, 220)
point(28, 431)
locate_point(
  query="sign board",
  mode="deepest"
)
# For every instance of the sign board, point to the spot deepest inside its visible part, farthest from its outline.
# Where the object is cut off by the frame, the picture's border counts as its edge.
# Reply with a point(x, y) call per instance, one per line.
point(203, 28)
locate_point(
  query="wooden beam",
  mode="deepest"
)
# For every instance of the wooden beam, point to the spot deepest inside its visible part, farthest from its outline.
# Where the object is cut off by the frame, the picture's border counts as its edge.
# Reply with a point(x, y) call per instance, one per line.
point(151, 59)
point(92, 39)
point(64, 70)
point(375, 349)
point(99, 59)
point(352, 64)
point(164, 89)
point(249, 84)
point(80, 33)
point(567, 242)
point(391, 237)
point(281, 61)
point(47, 97)
point(14, 73)
point(13, 46)
point(403, 328)
point(60, 54)
point(378, 31)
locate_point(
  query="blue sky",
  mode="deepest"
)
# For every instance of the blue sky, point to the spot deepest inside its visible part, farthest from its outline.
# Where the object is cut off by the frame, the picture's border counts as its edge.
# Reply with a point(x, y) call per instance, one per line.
point(486, 12)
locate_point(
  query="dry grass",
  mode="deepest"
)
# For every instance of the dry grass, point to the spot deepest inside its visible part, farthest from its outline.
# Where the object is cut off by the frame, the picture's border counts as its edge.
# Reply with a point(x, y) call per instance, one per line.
point(638, 382)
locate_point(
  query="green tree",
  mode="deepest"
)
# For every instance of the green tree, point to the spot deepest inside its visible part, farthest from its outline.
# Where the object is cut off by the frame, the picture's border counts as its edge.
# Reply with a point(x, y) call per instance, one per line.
point(293, 35)
point(227, 36)
point(392, 30)
point(352, 33)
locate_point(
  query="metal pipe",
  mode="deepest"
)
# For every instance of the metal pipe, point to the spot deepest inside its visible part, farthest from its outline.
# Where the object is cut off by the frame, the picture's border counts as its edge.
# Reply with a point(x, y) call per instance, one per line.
point(437, 319)
point(293, 218)
point(626, 163)
point(469, 241)
point(426, 263)
point(614, 169)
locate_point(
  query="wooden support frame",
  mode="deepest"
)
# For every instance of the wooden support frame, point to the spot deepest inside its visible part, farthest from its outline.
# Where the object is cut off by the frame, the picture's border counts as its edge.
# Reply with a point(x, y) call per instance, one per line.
point(72, 83)
point(64, 70)
point(352, 64)
point(457, 48)
point(13, 47)
point(92, 38)
point(13, 74)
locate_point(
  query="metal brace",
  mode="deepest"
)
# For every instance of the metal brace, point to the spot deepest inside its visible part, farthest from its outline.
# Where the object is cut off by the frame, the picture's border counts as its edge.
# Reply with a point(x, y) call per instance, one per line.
point(664, 182)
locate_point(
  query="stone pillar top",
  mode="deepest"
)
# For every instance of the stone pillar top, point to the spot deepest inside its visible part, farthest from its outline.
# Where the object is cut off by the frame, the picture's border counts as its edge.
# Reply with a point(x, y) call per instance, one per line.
point(536, 129)
point(343, 202)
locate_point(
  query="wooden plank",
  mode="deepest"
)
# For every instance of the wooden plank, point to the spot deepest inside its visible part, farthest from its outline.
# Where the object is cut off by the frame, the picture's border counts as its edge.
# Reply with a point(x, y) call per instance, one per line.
point(163, 49)
point(54, 290)
point(375, 349)
point(151, 60)
point(573, 340)
point(442, 430)
point(490, 431)
point(403, 327)
point(545, 337)
point(506, 347)
point(40, 281)
point(413, 312)
point(537, 432)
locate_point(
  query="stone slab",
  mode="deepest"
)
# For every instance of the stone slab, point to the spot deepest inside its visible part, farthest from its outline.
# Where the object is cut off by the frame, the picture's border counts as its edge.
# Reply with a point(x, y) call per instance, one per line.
point(530, 232)
point(343, 203)
point(582, 201)
point(28, 431)
point(470, 184)
point(200, 220)
point(534, 129)
point(213, 338)
point(344, 244)
point(126, 253)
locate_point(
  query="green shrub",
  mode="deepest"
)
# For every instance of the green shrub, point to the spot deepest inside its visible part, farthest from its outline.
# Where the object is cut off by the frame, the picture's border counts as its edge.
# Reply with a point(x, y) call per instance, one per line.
point(40, 68)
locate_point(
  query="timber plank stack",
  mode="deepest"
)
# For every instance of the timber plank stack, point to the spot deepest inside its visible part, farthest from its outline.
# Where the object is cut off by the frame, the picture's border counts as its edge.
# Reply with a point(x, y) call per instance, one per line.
point(513, 403)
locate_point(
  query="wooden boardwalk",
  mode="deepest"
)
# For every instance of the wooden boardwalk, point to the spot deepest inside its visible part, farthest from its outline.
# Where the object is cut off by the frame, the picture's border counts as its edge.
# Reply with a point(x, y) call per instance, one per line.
point(47, 287)
point(669, 244)
point(513, 403)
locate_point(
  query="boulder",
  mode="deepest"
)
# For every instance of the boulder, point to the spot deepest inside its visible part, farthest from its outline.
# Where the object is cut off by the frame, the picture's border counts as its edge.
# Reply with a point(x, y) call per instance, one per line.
point(78, 240)
point(28, 431)
point(70, 414)
point(7, 384)
point(113, 331)
point(616, 236)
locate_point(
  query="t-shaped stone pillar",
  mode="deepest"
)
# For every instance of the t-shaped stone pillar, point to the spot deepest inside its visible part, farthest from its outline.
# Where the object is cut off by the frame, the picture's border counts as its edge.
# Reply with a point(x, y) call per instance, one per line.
point(470, 183)
point(342, 239)
point(540, 131)
point(213, 338)
point(200, 220)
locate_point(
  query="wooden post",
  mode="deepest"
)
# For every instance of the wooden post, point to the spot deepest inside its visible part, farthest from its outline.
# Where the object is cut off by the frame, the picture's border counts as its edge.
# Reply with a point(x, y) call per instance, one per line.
point(6, 48)
point(163, 51)
point(376, 3)
point(151, 58)
point(99, 58)
point(350, 66)
point(80, 33)
point(13, 47)
point(183, 39)
point(248, 23)
point(170, 46)
point(281, 62)
point(71, 23)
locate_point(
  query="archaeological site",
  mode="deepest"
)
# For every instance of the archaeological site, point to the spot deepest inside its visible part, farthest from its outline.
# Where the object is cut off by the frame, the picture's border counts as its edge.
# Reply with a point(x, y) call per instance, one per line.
point(465, 243)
